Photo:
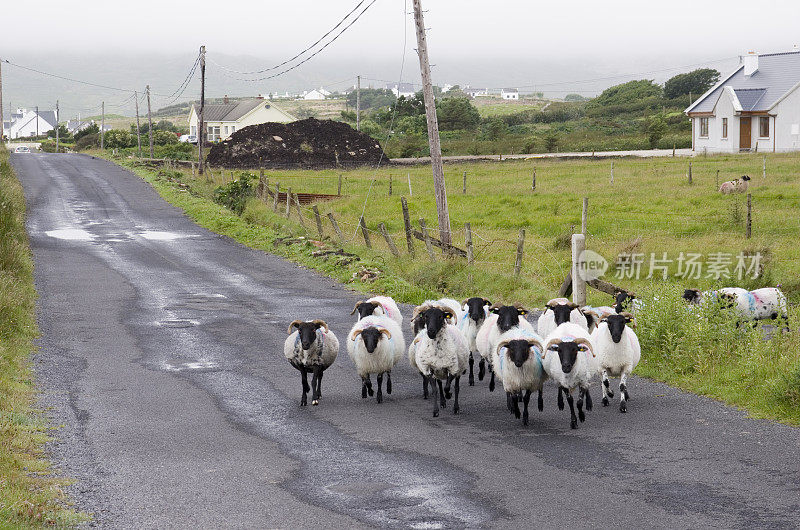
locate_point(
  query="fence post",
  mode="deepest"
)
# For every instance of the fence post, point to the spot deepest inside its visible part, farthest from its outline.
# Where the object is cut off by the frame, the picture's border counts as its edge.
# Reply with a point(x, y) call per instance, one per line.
point(716, 180)
point(299, 213)
point(410, 194)
point(690, 172)
point(578, 281)
point(407, 223)
point(275, 199)
point(612, 172)
point(335, 226)
point(749, 216)
point(464, 187)
point(364, 232)
point(468, 241)
point(318, 219)
point(533, 180)
point(673, 150)
point(585, 217)
point(339, 190)
point(520, 249)
point(427, 239)
point(389, 241)
point(764, 169)
point(288, 202)
point(193, 170)
point(266, 192)
point(390, 184)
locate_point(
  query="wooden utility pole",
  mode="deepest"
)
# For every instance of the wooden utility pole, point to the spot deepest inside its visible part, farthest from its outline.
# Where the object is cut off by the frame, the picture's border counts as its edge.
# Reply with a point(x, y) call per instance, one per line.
point(37, 121)
point(58, 139)
point(201, 133)
point(150, 123)
point(103, 125)
point(1, 102)
point(358, 103)
point(138, 130)
point(433, 128)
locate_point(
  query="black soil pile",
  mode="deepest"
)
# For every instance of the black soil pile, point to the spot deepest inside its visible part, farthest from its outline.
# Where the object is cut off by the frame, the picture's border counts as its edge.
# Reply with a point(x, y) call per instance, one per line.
point(309, 143)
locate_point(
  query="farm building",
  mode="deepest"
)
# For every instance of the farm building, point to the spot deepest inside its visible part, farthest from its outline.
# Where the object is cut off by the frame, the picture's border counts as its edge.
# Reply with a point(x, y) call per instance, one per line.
point(222, 120)
point(755, 108)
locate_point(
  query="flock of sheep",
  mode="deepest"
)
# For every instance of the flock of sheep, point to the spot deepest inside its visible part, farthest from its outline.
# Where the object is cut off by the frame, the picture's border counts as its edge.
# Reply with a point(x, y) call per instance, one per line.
point(568, 345)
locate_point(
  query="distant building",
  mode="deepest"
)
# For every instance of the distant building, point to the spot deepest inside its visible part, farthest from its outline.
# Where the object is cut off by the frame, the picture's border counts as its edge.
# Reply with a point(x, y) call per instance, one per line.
point(26, 123)
point(401, 89)
point(757, 107)
point(509, 93)
point(475, 92)
point(222, 120)
point(316, 94)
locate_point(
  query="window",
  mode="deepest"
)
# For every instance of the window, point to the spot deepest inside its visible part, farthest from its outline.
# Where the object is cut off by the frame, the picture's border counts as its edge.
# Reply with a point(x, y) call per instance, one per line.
point(226, 129)
point(703, 127)
point(213, 133)
point(233, 129)
point(194, 130)
point(724, 127)
point(763, 127)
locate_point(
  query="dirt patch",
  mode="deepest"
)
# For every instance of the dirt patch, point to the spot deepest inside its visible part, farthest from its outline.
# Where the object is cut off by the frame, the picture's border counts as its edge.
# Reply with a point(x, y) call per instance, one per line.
point(307, 143)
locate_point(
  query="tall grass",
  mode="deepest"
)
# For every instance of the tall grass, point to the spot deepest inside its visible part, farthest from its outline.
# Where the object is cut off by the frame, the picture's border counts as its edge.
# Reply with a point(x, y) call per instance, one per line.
point(29, 495)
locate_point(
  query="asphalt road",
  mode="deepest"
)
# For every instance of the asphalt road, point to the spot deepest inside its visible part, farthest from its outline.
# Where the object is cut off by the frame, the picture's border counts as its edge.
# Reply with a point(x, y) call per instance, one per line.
point(161, 356)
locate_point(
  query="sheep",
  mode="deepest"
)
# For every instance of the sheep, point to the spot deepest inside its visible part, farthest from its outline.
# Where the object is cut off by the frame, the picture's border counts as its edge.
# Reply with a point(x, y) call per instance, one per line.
point(311, 347)
point(750, 306)
point(558, 311)
point(618, 353)
point(595, 314)
point(569, 359)
point(375, 344)
point(518, 364)
point(418, 324)
point(739, 185)
point(440, 352)
point(501, 319)
point(474, 312)
point(379, 305)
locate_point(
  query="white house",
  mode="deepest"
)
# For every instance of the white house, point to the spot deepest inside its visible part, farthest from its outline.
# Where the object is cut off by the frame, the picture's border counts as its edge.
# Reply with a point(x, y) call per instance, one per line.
point(222, 120)
point(475, 92)
point(26, 123)
point(755, 108)
point(316, 94)
point(509, 93)
point(401, 89)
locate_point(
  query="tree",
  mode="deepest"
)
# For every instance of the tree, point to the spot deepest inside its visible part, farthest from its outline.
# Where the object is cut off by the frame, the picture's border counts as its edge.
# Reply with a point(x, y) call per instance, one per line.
point(655, 127)
point(551, 142)
point(456, 114)
point(91, 129)
point(372, 98)
point(697, 82)
point(495, 129)
point(117, 138)
point(629, 92)
point(574, 97)
point(63, 133)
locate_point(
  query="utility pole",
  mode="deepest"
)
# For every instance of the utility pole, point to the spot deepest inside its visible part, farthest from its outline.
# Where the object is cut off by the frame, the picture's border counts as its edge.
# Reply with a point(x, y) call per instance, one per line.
point(201, 137)
point(103, 125)
point(57, 137)
point(358, 104)
point(37, 121)
point(433, 128)
point(149, 122)
point(138, 130)
point(1, 102)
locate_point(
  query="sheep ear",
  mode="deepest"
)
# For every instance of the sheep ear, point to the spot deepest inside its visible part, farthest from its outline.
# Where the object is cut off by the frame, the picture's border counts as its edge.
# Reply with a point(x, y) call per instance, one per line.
point(294, 324)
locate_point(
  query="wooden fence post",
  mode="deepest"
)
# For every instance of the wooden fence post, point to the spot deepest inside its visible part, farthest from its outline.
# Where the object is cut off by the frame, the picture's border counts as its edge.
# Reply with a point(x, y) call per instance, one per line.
point(193, 170)
point(335, 226)
point(266, 191)
point(407, 223)
point(410, 194)
point(364, 232)
point(690, 172)
point(520, 250)
point(749, 216)
point(717, 180)
point(464, 187)
point(275, 199)
point(578, 281)
point(427, 239)
point(389, 241)
point(299, 213)
point(468, 242)
point(612, 172)
point(673, 150)
point(585, 217)
point(390, 184)
point(318, 219)
point(339, 190)
point(533, 180)
point(288, 202)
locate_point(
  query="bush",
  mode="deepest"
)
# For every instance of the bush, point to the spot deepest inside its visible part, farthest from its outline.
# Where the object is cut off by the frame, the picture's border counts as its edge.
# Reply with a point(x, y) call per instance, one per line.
point(117, 138)
point(457, 114)
point(164, 137)
point(495, 129)
point(91, 129)
point(234, 195)
point(551, 142)
point(87, 141)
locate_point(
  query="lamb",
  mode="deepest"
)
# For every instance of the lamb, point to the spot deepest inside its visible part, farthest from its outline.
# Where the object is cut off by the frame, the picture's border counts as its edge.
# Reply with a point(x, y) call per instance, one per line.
point(558, 311)
point(440, 352)
point(501, 319)
point(379, 305)
point(618, 353)
point(475, 310)
point(375, 344)
point(569, 359)
point(418, 324)
point(739, 185)
point(311, 347)
point(518, 364)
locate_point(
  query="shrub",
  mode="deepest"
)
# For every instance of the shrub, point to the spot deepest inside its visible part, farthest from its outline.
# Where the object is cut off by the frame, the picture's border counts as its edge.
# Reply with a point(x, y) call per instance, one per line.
point(87, 141)
point(164, 137)
point(91, 129)
point(551, 142)
point(457, 113)
point(117, 138)
point(234, 194)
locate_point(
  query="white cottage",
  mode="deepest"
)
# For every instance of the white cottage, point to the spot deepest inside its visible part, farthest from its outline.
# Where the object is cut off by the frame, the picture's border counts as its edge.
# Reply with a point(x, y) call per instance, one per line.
point(509, 93)
point(26, 123)
point(222, 120)
point(755, 108)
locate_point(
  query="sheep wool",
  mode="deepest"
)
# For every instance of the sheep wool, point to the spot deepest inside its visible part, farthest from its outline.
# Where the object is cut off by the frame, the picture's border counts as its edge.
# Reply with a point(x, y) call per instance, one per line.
point(388, 352)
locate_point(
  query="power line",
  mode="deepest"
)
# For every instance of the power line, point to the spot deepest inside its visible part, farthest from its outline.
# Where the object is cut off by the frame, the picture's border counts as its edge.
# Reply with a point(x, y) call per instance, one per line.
point(66, 78)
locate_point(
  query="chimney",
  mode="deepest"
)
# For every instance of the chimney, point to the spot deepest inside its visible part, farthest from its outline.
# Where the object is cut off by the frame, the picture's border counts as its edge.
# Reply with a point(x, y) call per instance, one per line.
point(750, 63)
point(225, 99)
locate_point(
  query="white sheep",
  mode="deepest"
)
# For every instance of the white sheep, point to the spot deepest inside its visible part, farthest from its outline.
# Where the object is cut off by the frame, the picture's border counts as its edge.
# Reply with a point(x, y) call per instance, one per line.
point(739, 185)
point(375, 344)
point(518, 364)
point(501, 319)
point(558, 311)
point(311, 347)
point(750, 306)
point(595, 314)
point(418, 324)
point(440, 352)
point(618, 353)
point(379, 305)
point(473, 313)
point(569, 360)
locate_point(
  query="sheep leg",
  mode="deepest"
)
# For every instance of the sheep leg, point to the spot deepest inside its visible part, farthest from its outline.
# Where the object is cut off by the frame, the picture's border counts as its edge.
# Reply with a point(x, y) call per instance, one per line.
point(455, 395)
point(515, 405)
point(481, 369)
point(581, 415)
point(785, 319)
point(319, 383)
point(366, 387)
point(380, 391)
point(560, 399)
point(424, 387)
point(607, 392)
point(573, 420)
point(315, 385)
point(435, 398)
point(447, 392)
point(540, 401)
point(623, 392)
point(471, 364)
point(304, 379)
point(509, 403)
point(589, 405)
point(526, 399)
point(388, 382)
point(442, 397)
point(491, 382)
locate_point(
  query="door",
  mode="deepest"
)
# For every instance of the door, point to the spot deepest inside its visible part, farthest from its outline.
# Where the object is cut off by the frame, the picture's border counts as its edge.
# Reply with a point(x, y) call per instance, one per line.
point(744, 133)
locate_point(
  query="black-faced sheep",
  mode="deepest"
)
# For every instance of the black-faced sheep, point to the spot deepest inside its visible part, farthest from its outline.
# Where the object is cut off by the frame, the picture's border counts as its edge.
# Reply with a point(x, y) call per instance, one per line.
point(739, 185)
point(474, 312)
point(379, 305)
point(558, 311)
point(375, 344)
point(618, 353)
point(569, 360)
point(311, 347)
point(750, 306)
point(518, 364)
point(501, 319)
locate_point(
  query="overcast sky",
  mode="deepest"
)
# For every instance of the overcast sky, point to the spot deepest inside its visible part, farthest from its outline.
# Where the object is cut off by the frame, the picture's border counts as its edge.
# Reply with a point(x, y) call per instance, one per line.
point(509, 43)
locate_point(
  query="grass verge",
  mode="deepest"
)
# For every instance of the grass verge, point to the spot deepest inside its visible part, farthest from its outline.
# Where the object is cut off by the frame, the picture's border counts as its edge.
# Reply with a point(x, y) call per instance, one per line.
point(29, 495)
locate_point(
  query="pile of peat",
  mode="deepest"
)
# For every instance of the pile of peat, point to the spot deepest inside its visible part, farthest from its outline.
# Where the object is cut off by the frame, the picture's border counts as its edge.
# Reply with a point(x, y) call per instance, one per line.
point(309, 143)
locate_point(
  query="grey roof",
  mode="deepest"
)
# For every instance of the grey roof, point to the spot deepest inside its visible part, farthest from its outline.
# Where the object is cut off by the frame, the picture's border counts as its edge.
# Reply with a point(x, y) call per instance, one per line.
point(403, 87)
point(777, 73)
point(230, 111)
point(49, 116)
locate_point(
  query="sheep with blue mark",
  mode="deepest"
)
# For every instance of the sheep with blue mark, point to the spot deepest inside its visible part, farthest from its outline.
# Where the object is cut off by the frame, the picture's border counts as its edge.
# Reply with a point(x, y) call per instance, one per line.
point(375, 344)
point(767, 303)
point(518, 364)
point(501, 319)
point(474, 313)
point(618, 353)
point(311, 347)
point(418, 324)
